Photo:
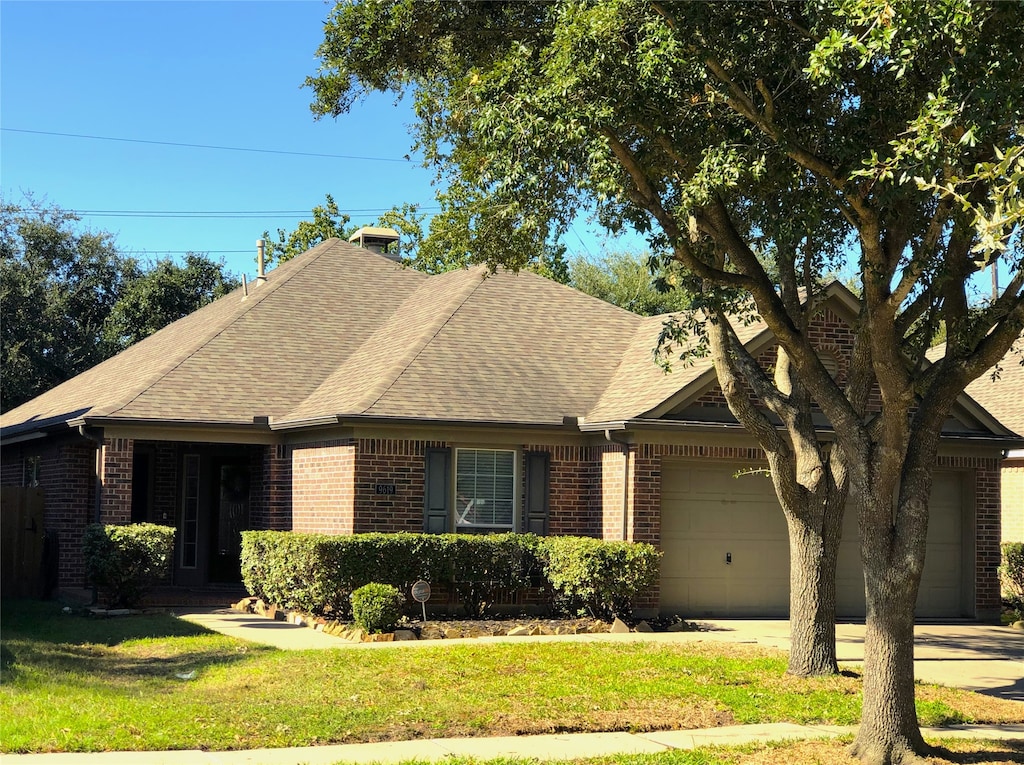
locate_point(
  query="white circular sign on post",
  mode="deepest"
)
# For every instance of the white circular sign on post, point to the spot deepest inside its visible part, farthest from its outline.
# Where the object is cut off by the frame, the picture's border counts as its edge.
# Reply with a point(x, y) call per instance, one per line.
point(421, 594)
point(421, 591)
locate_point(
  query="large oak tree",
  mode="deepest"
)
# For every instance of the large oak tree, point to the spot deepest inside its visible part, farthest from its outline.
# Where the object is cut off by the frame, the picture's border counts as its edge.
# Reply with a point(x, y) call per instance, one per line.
point(761, 145)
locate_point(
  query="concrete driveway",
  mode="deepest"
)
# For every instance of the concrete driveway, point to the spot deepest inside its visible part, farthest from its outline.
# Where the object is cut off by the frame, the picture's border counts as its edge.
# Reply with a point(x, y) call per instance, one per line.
point(979, 657)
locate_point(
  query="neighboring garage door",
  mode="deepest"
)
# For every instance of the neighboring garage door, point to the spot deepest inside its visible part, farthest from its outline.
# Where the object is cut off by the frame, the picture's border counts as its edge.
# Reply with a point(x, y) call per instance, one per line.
point(727, 549)
point(943, 590)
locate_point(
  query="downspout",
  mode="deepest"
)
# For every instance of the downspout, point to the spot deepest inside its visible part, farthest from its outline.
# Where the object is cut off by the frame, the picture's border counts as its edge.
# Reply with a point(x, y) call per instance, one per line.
point(98, 503)
point(625, 481)
point(98, 440)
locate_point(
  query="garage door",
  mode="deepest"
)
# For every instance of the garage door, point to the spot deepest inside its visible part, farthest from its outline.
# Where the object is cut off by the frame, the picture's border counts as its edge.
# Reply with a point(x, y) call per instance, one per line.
point(942, 590)
point(727, 548)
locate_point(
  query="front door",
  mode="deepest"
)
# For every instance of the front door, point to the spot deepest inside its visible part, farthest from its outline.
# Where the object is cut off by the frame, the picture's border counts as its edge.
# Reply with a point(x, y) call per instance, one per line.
point(230, 517)
point(214, 512)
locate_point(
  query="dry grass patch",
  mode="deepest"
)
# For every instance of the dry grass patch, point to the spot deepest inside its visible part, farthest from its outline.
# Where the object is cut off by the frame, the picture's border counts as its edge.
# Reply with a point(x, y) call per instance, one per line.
point(835, 752)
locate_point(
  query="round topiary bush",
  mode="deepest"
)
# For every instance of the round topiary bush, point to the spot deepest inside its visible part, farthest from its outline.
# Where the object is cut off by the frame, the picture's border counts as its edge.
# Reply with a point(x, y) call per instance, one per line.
point(377, 607)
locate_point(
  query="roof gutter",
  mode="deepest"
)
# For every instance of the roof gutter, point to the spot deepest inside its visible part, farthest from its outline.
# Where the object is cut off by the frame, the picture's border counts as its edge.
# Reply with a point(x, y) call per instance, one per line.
point(702, 426)
point(383, 419)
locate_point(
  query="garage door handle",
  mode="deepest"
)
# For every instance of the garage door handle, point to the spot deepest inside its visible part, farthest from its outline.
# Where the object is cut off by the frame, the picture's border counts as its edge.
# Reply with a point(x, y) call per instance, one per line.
point(728, 557)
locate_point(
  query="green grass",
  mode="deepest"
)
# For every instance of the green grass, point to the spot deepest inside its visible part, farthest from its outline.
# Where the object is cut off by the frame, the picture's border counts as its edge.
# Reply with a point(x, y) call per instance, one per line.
point(80, 684)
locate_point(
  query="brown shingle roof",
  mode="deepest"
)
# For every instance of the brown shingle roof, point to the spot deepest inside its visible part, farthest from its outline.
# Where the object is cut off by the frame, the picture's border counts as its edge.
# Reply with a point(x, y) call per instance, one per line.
point(640, 385)
point(471, 346)
point(237, 359)
point(1003, 396)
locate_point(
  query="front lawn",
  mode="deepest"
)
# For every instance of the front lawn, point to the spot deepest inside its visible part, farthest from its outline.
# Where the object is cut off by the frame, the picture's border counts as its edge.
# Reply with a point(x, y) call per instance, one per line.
point(155, 682)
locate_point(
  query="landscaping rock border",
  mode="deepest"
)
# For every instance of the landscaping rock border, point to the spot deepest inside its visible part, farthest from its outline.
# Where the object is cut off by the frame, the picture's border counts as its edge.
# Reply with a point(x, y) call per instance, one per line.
point(445, 628)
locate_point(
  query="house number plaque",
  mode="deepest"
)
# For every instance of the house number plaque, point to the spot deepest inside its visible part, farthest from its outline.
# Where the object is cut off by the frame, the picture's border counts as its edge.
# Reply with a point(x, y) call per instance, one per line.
point(385, 488)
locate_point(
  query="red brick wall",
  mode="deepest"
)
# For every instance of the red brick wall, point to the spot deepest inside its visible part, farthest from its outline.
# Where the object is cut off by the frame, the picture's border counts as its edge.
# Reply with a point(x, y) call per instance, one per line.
point(322, 483)
point(67, 478)
point(116, 506)
point(166, 483)
point(272, 488)
point(396, 462)
point(574, 480)
point(12, 466)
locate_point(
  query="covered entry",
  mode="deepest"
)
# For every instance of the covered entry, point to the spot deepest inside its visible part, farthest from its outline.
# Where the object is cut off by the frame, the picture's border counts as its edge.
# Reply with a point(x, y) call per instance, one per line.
point(727, 550)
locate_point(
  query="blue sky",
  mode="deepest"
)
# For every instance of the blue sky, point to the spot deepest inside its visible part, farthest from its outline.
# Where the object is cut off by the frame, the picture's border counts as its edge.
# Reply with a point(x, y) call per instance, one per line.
point(225, 74)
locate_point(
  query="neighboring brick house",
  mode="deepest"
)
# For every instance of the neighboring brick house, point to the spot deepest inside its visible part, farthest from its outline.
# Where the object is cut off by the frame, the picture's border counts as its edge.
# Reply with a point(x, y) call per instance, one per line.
point(1002, 395)
point(348, 394)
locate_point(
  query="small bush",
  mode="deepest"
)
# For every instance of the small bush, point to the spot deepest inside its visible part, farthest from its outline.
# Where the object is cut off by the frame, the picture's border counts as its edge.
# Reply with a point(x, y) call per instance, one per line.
point(1012, 575)
point(377, 607)
point(598, 576)
point(125, 561)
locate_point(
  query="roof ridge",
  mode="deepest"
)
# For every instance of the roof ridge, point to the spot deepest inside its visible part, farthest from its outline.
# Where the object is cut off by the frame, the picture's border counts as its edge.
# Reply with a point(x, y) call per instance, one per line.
point(442, 318)
point(264, 292)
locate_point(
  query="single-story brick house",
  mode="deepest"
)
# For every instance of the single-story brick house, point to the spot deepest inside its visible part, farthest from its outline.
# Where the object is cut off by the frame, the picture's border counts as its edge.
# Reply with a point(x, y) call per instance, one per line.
point(346, 394)
point(1003, 397)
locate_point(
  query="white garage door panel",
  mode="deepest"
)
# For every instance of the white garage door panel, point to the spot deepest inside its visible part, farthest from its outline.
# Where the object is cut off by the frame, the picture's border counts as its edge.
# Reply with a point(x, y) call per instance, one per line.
point(708, 513)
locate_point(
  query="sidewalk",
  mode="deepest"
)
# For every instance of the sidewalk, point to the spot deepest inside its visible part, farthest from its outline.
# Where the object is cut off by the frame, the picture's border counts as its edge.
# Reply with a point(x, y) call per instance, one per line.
point(551, 747)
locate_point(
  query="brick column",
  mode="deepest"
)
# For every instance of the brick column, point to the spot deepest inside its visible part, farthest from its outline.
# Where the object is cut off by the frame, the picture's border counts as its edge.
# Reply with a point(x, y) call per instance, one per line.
point(116, 506)
point(987, 552)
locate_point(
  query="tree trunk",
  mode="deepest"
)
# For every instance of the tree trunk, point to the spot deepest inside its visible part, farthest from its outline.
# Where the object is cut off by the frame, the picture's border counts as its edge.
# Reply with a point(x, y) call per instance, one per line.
point(813, 550)
point(893, 559)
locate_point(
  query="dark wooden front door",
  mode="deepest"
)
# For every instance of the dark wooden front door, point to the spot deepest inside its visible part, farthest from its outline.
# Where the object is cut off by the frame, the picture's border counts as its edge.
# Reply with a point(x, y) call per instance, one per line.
point(230, 517)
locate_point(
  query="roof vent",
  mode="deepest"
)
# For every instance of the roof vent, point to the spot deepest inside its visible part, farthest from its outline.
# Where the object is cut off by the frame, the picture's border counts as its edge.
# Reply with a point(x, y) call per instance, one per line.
point(383, 241)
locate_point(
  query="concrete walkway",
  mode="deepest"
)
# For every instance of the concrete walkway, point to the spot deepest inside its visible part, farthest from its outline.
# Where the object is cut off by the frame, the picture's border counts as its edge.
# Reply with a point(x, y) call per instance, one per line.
point(552, 747)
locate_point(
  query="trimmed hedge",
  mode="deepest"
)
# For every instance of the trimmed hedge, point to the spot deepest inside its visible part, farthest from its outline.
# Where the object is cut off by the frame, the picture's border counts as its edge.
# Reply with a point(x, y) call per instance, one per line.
point(597, 576)
point(318, 573)
point(126, 561)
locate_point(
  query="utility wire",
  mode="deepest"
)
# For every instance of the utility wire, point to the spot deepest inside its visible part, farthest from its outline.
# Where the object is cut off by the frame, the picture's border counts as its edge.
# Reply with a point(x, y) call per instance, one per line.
point(209, 146)
point(229, 214)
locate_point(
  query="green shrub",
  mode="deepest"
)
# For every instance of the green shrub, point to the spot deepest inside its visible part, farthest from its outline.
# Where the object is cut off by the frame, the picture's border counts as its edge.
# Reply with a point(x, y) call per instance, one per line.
point(598, 576)
point(484, 567)
point(125, 561)
point(317, 573)
point(1012, 575)
point(377, 607)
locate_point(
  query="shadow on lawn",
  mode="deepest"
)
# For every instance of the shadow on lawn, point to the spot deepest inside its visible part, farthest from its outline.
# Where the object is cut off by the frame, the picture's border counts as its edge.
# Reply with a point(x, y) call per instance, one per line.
point(100, 650)
point(1009, 751)
point(46, 621)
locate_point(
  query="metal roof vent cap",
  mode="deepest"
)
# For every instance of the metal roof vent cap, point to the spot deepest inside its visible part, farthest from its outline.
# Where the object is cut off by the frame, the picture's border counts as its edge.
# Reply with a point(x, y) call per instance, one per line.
point(383, 241)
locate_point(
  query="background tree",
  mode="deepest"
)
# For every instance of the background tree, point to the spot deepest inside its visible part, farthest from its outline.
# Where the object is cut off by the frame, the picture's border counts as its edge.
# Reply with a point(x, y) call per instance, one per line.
point(71, 299)
point(624, 279)
point(164, 293)
point(887, 132)
point(328, 222)
point(57, 286)
point(435, 246)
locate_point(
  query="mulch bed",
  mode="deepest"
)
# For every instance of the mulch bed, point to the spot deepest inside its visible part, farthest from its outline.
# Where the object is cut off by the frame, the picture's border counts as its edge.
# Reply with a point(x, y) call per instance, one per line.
point(447, 627)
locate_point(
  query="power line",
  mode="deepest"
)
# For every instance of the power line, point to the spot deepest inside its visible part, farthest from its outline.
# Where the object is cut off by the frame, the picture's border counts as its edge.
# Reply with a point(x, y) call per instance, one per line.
point(209, 146)
point(218, 214)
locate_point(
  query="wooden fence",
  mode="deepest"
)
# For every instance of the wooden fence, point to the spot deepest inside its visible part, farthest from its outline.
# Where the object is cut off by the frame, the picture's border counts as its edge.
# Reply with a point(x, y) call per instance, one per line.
point(22, 543)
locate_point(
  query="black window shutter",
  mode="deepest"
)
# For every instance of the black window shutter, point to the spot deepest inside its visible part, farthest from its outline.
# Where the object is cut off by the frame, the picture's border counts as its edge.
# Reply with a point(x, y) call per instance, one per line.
point(437, 490)
point(538, 469)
